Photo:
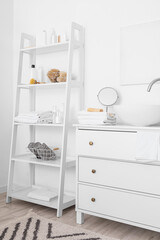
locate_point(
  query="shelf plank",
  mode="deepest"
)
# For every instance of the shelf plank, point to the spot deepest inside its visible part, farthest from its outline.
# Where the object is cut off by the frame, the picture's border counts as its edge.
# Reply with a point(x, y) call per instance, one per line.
point(29, 158)
point(46, 49)
point(45, 85)
point(21, 194)
point(49, 48)
point(40, 124)
point(73, 83)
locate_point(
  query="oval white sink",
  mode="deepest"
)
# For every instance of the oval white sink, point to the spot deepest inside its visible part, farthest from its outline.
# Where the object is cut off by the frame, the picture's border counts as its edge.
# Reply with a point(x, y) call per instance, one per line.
point(138, 115)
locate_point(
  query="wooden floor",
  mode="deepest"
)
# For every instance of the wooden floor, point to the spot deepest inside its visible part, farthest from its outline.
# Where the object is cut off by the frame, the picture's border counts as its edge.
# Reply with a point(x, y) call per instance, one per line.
point(108, 228)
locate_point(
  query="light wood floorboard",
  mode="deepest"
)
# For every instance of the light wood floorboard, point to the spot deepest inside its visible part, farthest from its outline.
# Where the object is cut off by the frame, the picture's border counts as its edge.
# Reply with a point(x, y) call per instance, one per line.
point(108, 228)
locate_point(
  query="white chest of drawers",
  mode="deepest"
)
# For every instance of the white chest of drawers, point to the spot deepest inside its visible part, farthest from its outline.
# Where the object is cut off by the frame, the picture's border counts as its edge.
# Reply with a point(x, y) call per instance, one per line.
point(110, 182)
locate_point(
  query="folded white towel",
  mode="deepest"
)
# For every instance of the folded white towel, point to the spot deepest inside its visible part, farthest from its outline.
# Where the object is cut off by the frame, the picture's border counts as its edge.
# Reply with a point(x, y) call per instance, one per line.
point(35, 117)
point(25, 120)
point(91, 118)
point(36, 114)
point(92, 114)
point(32, 120)
point(42, 194)
point(90, 121)
point(147, 146)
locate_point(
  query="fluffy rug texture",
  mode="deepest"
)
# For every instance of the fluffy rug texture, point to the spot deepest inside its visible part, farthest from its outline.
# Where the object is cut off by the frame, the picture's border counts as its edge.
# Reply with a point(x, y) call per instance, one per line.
point(35, 227)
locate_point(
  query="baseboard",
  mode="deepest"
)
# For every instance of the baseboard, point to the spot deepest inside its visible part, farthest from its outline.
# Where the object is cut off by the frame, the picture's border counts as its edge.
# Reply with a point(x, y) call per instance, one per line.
point(3, 189)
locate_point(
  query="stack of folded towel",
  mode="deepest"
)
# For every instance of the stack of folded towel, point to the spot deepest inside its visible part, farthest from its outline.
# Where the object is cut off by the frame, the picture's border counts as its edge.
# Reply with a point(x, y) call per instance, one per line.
point(85, 117)
point(35, 117)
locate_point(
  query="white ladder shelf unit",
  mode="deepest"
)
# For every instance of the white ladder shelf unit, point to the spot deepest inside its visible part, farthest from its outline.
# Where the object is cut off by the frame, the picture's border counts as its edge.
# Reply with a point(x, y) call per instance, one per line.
point(63, 200)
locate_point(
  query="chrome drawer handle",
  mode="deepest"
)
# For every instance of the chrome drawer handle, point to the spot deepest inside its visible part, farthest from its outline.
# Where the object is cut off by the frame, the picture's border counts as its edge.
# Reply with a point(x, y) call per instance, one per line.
point(93, 171)
point(93, 199)
point(90, 143)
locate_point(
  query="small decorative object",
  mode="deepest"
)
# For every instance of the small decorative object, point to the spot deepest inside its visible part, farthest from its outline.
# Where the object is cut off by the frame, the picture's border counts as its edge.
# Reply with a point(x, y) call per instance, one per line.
point(53, 74)
point(49, 36)
point(56, 75)
point(33, 81)
point(62, 77)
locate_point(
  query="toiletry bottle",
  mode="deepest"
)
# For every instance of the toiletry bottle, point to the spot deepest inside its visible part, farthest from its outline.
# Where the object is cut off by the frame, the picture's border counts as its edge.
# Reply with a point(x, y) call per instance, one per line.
point(64, 37)
point(33, 78)
point(58, 117)
point(58, 38)
point(53, 38)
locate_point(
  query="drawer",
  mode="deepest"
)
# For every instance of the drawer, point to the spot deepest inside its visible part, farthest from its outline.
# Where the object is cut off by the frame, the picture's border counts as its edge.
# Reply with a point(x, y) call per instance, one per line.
point(131, 176)
point(107, 144)
point(119, 204)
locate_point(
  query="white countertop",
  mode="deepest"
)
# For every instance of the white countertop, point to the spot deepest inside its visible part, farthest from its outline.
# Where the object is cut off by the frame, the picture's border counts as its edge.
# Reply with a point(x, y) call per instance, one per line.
point(116, 127)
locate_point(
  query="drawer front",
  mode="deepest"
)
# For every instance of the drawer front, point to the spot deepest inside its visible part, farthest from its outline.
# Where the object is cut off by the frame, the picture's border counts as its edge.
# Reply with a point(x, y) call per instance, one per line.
point(107, 144)
point(119, 204)
point(131, 176)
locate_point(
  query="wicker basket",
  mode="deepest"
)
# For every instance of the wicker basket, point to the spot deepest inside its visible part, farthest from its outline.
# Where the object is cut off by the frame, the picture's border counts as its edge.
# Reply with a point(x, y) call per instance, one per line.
point(44, 154)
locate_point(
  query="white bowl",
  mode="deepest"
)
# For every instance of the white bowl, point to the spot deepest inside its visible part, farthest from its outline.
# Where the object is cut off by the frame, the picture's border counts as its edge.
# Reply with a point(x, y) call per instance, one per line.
point(138, 114)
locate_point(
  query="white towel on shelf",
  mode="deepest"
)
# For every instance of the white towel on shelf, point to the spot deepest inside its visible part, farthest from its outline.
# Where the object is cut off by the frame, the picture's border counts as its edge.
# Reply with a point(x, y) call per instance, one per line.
point(35, 117)
point(34, 121)
point(147, 146)
point(92, 118)
point(36, 114)
point(42, 194)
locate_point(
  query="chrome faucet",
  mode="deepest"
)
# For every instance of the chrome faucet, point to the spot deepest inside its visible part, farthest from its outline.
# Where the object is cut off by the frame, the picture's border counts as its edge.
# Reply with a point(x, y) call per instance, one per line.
point(152, 83)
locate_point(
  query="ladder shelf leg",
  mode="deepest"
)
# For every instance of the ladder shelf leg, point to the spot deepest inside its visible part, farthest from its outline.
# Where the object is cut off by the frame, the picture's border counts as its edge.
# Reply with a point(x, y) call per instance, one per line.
point(16, 111)
point(74, 27)
point(10, 182)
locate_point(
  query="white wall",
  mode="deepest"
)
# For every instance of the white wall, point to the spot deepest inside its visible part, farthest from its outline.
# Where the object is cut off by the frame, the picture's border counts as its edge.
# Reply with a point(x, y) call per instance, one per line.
point(6, 73)
point(102, 20)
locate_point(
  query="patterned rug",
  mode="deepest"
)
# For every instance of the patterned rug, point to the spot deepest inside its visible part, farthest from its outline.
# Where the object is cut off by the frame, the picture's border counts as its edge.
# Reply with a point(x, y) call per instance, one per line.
point(35, 227)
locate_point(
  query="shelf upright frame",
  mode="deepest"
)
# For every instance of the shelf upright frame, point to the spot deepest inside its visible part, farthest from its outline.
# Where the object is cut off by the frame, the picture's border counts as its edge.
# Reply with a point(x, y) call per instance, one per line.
point(61, 203)
point(31, 41)
point(80, 29)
